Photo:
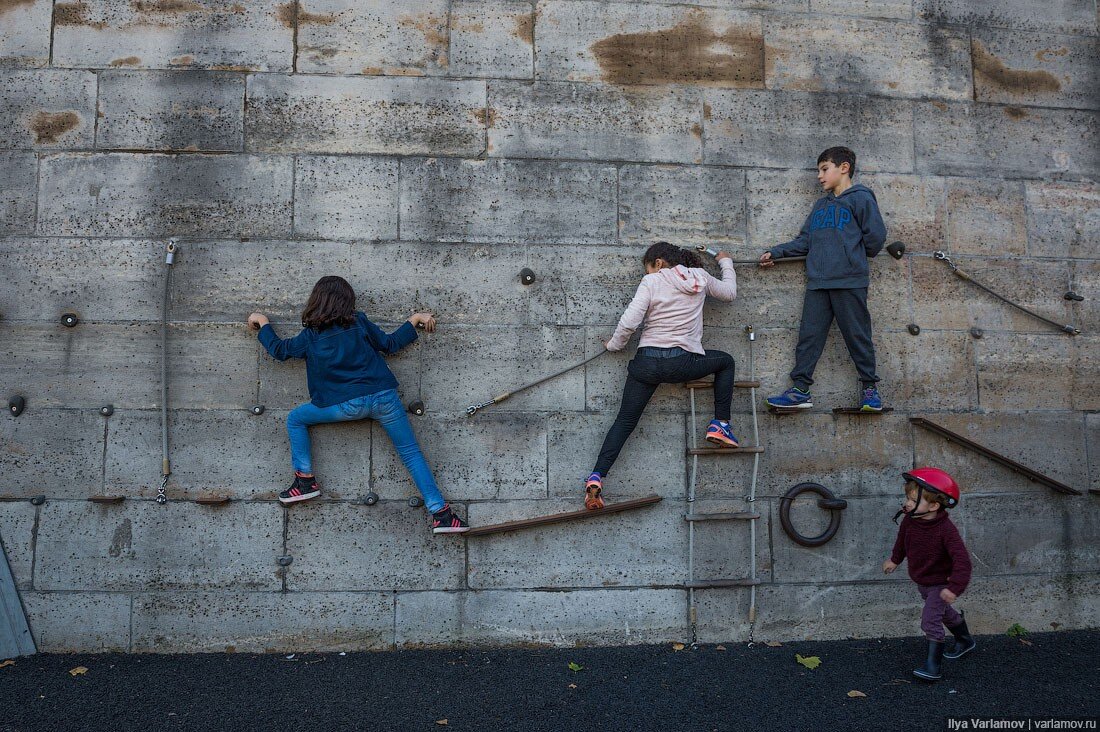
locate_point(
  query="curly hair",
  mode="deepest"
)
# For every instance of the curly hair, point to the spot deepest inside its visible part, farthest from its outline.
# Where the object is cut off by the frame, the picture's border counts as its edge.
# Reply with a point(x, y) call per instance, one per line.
point(332, 302)
point(672, 254)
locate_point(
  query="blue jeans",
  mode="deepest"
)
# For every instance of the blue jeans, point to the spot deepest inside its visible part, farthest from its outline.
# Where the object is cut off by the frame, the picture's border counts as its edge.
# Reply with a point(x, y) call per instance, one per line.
point(384, 406)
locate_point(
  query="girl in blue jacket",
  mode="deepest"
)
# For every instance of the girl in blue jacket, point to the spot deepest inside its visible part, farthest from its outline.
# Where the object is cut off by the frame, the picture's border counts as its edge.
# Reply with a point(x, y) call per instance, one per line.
point(348, 380)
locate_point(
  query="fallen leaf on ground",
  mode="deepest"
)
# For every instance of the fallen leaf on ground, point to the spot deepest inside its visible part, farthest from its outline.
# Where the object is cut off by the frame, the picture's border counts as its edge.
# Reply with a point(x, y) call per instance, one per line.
point(1025, 642)
point(78, 671)
point(856, 694)
point(575, 666)
point(677, 646)
point(810, 662)
point(720, 648)
point(441, 722)
point(773, 644)
point(572, 686)
point(9, 662)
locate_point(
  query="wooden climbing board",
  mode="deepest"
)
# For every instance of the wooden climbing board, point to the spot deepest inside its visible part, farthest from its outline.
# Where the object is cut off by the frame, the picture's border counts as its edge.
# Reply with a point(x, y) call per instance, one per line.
point(557, 518)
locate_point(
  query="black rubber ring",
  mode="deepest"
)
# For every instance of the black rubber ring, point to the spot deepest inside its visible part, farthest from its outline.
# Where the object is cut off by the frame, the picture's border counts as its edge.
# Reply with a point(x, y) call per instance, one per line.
point(785, 514)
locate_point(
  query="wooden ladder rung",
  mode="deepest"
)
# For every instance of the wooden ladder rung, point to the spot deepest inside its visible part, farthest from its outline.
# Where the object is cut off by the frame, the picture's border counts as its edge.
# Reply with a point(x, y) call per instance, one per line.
point(559, 517)
point(106, 499)
point(706, 384)
point(724, 450)
point(737, 516)
point(703, 584)
point(212, 500)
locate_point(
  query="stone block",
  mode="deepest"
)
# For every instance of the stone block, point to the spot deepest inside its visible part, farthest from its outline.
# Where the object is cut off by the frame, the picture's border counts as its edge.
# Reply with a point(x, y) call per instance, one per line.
point(492, 38)
point(956, 138)
point(930, 372)
point(92, 365)
point(1086, 370)
point(262, 622)
point(503, 456)
point(388, 546)
point(99, 280)
point(1060, 537)
point(739, 129)
point(778, 202)
point(1058, 452)
point(836, 611)
point(914, 208)
point(1092, 439)
point(125, 194)
point(206, 34)
point(647, 546)
point(861, 56)
point(526, 618)
point(17, 521)
point(26, 37)
point(943, 300)
point(1085, 281)
point(723, 548)
point(560, 297)
point(365, 115)
point(507, 201)
point(50, 108)
point(1062, 219)
point(594, 122)
point(902, 9)
point(685, 205)
point(223, 281)
point(652, 461)
point(1040, 602)
point(18, 192)
point(79, 622)
point(141, 546)
point(1060, 16)
point(1043, 70)
point(1025, 371)
point(58, 453)
point(171, 110)
point(374, 37)
point(986, 217)
point(641, 44)
point(345, 197)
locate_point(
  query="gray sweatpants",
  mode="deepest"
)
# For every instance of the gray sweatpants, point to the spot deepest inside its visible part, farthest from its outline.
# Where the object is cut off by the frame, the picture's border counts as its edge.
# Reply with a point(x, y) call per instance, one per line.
point(849, 307)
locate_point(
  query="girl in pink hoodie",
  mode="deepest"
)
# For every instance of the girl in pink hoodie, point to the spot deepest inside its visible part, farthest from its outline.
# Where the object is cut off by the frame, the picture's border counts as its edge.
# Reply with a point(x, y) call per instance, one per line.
point(670, 301)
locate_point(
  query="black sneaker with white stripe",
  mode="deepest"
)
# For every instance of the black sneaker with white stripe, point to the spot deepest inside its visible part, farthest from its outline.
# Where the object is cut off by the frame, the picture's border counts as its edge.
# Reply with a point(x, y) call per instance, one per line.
point(302, 489)
point(444, 521)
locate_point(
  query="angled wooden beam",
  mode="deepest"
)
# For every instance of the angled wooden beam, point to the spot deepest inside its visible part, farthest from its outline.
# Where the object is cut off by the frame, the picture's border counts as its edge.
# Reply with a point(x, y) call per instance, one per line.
point(557, 518)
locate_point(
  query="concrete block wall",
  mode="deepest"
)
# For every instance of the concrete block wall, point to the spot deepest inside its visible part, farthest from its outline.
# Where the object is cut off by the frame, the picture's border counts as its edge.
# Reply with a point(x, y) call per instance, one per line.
point(428, 151)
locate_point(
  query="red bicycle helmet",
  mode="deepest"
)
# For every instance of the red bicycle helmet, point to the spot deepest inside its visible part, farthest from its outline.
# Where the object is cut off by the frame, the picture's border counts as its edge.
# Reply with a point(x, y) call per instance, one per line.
point(934, 479)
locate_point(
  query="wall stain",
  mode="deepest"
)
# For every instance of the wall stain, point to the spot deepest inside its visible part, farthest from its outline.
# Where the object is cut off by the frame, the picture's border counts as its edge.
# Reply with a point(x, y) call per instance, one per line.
point(315, 18)
point(6, 5)
point(993, 70)
point(182, 61)
point(525, 28)
point(688, 53)
point(74, 14)
point(486, 117)
point(166, 6)
point(128, 61)
point(122, 541)
point(285, 14)
point(48, 126)
point(432, 26)
point(1046, 53)
point(1016, 112)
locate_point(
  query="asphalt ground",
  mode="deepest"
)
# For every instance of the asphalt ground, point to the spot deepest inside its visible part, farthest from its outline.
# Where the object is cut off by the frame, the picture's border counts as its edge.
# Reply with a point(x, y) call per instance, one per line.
point(1051, 675)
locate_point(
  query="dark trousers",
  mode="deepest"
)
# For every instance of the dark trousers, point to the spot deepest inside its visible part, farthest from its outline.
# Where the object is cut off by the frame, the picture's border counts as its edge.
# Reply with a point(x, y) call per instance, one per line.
point(936, 613)
point(849, 307)
point(645, 373)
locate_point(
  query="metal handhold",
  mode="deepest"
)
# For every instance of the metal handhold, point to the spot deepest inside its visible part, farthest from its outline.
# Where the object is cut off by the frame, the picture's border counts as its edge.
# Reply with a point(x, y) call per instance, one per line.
point(416, 502)
point(371, 498)
point(913, 329)
point(417, 408)
point(38, 500)
point(69, 320)
point(107, 410)
point(258, 409)
point(1071, 295)
point(285, 560)
point(527, 276)
point(976, 332)
point(896, 250)
point(16, 405)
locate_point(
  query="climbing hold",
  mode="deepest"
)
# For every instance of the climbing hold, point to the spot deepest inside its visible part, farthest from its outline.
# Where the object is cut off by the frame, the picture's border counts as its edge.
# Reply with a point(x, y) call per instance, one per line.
point(828, 501)
point(527, 276)
point(416, 502)
point(371, 498)
point(832, 504)
point(16, 405)
point(107, 410)
point(913, 329)
point(285, 560)
point(1071, 295)
point(258, 409)
point(69, 320)
point(896, 250)
point(417, 408)
point(976, 332)
point(38, 500)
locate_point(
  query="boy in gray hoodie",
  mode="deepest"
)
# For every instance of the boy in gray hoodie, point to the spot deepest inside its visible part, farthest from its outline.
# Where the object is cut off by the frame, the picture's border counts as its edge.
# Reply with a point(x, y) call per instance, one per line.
point(842, 232)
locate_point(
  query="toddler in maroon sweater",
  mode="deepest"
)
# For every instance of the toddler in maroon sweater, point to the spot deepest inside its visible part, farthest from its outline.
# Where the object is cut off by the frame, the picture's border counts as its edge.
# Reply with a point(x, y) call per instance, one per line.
point(938, 562)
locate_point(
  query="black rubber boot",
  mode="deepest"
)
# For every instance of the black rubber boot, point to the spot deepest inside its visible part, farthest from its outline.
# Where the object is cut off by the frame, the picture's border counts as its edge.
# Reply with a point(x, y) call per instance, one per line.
point(964, 642)
point(930, 671)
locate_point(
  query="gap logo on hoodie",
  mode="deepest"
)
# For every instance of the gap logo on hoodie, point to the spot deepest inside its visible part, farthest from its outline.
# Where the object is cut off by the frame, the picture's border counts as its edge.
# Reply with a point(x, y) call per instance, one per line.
point(830, 217)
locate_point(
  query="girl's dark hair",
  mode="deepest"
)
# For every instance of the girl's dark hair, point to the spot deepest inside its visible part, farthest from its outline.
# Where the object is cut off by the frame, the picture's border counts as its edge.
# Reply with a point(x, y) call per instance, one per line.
point(332, 302)
point(672, 254)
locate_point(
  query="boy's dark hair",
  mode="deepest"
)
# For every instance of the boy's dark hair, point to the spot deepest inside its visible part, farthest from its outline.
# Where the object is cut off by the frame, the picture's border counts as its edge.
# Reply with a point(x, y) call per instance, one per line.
point(332, 302)
point(672, 254)
point(838, 155)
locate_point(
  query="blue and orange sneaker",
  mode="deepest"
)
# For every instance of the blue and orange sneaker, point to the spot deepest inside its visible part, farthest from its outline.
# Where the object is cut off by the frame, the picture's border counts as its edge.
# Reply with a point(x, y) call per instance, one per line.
point(593, 492)
point(871, 401)
point(720, 434)
point(793, 398)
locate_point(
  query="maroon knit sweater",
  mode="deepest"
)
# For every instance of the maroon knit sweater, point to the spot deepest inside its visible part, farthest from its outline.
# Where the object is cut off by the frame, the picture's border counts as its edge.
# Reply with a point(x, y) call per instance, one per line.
point(936, 552)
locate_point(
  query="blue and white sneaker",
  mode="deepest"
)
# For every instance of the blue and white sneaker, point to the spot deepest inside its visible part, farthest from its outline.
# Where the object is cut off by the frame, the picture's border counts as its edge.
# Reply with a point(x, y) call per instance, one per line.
point(721, 434)
point(871, 401)
point(793, 398)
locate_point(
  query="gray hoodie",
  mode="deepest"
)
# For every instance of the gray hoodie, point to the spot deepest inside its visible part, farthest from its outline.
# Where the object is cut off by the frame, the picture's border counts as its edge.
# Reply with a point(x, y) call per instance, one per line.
point(839, 236)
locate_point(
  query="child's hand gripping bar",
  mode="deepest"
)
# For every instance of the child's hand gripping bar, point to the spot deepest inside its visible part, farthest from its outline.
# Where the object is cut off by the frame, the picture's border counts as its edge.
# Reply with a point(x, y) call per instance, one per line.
point(714, 253)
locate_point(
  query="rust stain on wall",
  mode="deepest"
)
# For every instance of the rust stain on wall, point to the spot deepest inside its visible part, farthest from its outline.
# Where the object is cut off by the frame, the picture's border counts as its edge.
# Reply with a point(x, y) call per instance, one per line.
point(432, 26)
point(1046, 53)
point(6, 5)
point(688, 53)
point(315, 18)
point(48, 126)
point(1016, 112)
point(993, 70)
point(525, 28)
point(487, 117)
point(74, 14)
point(166, 6)
point(182, 61)
point(128, 61)
point(285, 14)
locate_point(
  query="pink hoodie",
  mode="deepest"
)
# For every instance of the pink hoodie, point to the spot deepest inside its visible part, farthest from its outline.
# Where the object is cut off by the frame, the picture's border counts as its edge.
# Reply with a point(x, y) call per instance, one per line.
point(671, 303)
